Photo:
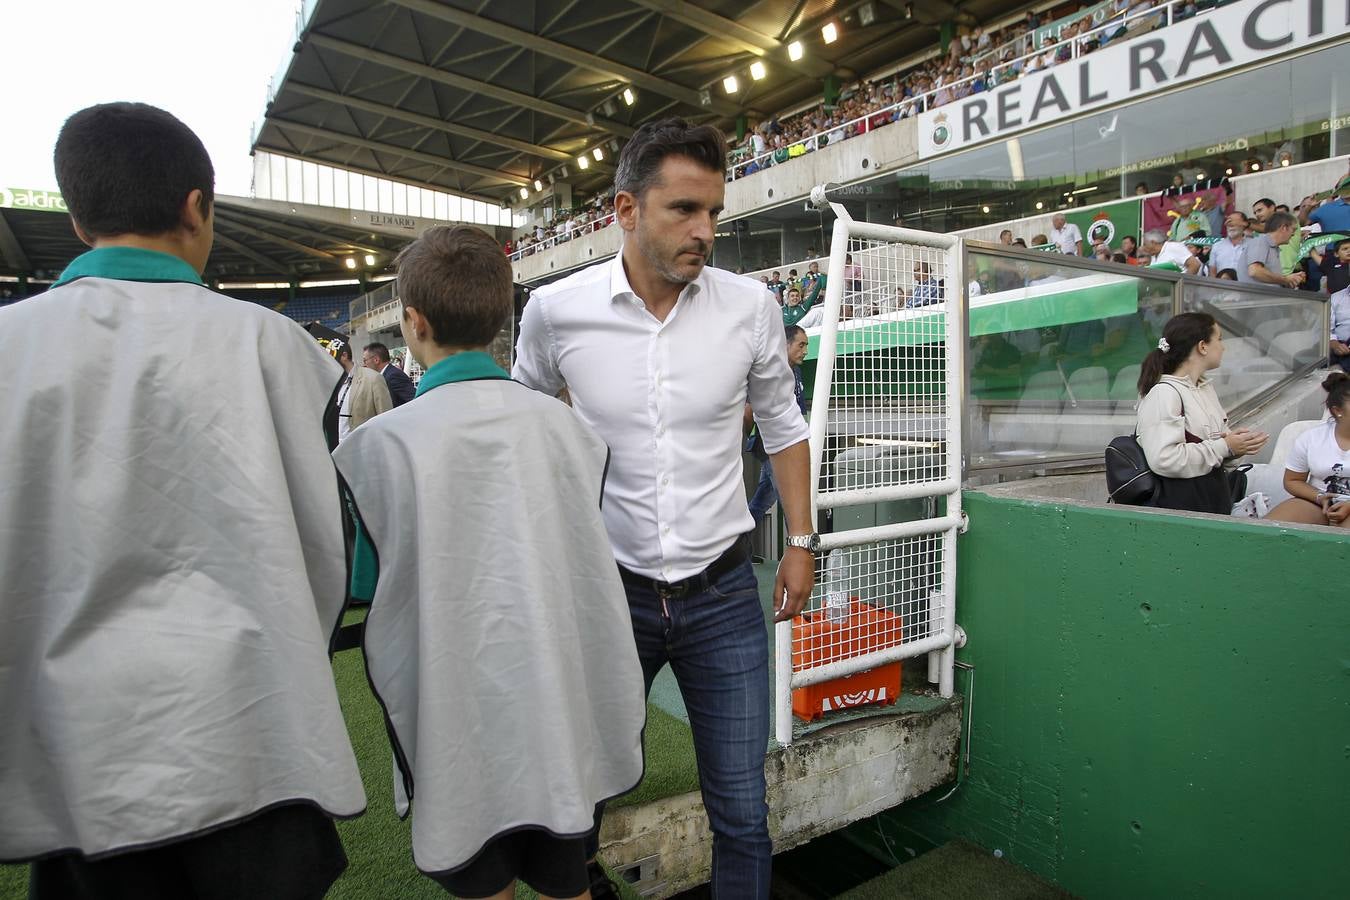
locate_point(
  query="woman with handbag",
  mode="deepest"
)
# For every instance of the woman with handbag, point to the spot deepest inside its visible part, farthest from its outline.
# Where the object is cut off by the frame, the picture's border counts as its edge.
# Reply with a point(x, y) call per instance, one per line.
point(1182, 427)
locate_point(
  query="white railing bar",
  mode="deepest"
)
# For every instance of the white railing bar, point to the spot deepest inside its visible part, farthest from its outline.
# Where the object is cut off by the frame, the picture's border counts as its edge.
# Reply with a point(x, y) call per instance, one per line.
point(916, 491)
point(855, 664)
point(782, 689)
point(893, 532)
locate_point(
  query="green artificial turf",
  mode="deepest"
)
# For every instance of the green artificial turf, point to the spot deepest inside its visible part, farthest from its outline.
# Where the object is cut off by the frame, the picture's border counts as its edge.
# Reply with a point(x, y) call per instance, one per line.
point(379, 845)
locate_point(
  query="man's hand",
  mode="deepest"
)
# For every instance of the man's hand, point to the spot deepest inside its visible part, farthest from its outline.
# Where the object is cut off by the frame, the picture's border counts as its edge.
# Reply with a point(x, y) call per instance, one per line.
point(792, 587)
point(1339, 348)
point(1295, 279)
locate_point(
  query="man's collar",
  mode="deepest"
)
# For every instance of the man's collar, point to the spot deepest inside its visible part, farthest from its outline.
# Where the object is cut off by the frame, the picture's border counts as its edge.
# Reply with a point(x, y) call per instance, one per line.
point(619, 285)
point(129, 264)
point(471, 365)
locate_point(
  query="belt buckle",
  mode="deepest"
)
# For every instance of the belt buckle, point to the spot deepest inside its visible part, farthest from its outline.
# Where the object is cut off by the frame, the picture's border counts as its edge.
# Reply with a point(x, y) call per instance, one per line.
point(667, 591)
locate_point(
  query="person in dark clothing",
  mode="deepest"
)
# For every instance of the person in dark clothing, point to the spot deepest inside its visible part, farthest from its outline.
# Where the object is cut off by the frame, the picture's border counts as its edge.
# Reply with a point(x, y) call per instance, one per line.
point(376, 357)
point(766, 493)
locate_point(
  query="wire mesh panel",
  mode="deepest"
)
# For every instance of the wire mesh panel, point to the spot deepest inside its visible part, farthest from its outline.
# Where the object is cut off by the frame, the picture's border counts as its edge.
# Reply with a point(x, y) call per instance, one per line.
point(872, 597)
point(887, 422)
point(885, 461)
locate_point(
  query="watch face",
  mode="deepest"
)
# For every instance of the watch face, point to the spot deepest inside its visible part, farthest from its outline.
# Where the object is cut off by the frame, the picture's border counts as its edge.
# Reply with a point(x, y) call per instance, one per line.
point(813, 542)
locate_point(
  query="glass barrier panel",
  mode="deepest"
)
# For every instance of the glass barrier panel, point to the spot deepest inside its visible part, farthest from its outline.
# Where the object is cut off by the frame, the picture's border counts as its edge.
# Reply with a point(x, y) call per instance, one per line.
point(1267, 337)
point(1054, 354)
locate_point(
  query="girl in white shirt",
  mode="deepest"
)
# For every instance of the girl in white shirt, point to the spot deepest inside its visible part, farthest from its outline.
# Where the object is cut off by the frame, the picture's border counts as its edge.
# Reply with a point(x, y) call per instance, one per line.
point(1317, 474)
point(1182, 427)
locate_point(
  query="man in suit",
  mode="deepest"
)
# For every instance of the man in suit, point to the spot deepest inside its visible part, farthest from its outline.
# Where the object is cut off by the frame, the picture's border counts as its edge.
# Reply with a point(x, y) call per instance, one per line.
point(362, 395)
point(376, 357)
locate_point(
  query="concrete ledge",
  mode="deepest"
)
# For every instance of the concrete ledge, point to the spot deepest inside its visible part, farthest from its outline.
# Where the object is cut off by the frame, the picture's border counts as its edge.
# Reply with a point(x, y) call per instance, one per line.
point(821, 783)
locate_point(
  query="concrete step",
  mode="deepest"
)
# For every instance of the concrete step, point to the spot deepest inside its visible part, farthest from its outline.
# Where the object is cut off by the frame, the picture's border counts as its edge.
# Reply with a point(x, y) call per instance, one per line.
point(830, 778)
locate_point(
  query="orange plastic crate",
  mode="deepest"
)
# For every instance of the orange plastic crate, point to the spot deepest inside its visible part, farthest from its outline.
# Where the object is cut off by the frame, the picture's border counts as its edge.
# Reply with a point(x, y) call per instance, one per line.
point(817, 641)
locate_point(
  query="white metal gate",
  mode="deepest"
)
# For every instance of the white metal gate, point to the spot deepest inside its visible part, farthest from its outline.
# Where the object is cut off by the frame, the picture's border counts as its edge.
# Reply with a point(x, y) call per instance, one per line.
point(885, 441)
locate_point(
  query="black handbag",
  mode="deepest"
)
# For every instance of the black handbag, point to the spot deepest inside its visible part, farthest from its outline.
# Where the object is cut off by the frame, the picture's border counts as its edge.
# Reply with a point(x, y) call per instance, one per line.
point(1128, 477)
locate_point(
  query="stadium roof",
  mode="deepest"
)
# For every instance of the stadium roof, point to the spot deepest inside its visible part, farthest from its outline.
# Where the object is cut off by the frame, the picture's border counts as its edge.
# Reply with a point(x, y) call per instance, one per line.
point(482, 98)
point(254, 239)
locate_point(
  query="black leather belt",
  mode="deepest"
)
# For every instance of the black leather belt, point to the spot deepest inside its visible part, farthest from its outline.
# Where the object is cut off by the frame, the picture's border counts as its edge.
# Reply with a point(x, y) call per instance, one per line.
point(735, 555)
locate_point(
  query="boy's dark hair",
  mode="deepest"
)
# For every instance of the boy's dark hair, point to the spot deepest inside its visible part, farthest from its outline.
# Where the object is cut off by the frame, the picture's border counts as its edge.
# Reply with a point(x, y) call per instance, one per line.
point(126, 168)
point(458, 278)
point(640, 161)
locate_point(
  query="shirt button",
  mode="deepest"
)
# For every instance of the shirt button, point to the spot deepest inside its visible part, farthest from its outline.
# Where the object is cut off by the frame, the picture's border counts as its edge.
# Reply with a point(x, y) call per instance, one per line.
point(665, 479)
point(665, 529)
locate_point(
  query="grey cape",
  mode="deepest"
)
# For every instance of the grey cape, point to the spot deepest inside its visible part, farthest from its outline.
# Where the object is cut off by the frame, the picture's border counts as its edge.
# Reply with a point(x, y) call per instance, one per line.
point(499, 640)
point(171, 543)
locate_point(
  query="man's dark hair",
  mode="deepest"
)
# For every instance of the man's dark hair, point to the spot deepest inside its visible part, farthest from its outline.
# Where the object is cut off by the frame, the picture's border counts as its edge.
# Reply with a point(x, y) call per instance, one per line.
point(1264, 201)
point(1282, 207)
point(126, 168)
point(641, 159)
point(458, 277)
point(791, 332)
point(378, 350)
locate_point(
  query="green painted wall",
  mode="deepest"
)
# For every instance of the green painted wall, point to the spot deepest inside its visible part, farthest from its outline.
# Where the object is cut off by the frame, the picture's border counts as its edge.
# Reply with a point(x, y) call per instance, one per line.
point(1162, 705)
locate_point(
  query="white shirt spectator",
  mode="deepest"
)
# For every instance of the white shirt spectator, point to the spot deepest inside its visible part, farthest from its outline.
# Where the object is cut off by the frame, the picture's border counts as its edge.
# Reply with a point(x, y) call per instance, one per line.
point(668, 398)
point(1228, 255)
point(1317, 452)
point(1068, 239)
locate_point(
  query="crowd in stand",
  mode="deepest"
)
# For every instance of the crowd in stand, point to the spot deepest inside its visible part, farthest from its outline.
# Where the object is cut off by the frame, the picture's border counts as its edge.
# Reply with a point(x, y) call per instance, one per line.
point(564, 225)
point(977, 60)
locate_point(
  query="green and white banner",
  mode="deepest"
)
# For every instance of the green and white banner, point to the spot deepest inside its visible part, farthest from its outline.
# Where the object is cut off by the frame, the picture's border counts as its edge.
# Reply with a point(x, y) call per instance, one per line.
point(1106, 224)
point(27, 198)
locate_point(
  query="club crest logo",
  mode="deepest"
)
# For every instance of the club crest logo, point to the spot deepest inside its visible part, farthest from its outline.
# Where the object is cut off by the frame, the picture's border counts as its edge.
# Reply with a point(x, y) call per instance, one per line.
point(942, 132)
point(1102, 230)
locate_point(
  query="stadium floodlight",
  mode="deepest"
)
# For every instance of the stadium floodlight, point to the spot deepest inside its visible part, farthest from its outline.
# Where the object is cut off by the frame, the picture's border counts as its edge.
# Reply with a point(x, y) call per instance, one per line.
point(1040, 205)
point(867, 14)
point(830, 33)
point(1256, 167)
point(731, 84)
point(524, 193)
point(757, 70)
point(370, 259)
point(538, 185)
point(984, 209)
point(350, 262)
point(598, 154)
point(1284, 162)
point(705, 97)
point(628, 96)
point(584, 161)
point(795, 51)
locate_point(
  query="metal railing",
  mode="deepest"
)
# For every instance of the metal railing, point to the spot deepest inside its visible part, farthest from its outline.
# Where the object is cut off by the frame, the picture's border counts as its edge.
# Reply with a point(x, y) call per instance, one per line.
point(885, 437)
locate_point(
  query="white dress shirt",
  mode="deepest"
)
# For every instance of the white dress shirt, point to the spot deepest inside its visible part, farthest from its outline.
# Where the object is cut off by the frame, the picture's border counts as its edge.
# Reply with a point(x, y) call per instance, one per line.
point(1068, 239)
point(668, 398)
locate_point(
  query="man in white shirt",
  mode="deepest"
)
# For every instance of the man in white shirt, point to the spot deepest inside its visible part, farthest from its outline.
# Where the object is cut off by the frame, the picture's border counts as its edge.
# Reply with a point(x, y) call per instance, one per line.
point(1231, 253)
point(1065, 235)
point(660, 354)
point(1164, 253)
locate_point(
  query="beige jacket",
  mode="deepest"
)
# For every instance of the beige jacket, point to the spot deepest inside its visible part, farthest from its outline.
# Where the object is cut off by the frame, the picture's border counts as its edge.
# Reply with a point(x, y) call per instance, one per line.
point(369, 395)
point(1162, 427)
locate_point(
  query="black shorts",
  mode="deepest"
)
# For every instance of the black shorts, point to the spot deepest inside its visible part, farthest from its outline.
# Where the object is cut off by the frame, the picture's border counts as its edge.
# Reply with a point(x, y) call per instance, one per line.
point(288, 853)
point(551, 865)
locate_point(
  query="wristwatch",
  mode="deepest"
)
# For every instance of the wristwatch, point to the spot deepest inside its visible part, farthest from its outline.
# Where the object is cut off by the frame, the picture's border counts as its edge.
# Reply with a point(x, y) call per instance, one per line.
point(808, 542)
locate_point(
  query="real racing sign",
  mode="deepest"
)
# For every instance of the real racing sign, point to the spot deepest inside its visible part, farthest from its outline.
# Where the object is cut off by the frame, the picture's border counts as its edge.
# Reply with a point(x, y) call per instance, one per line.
point(1200, 47)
